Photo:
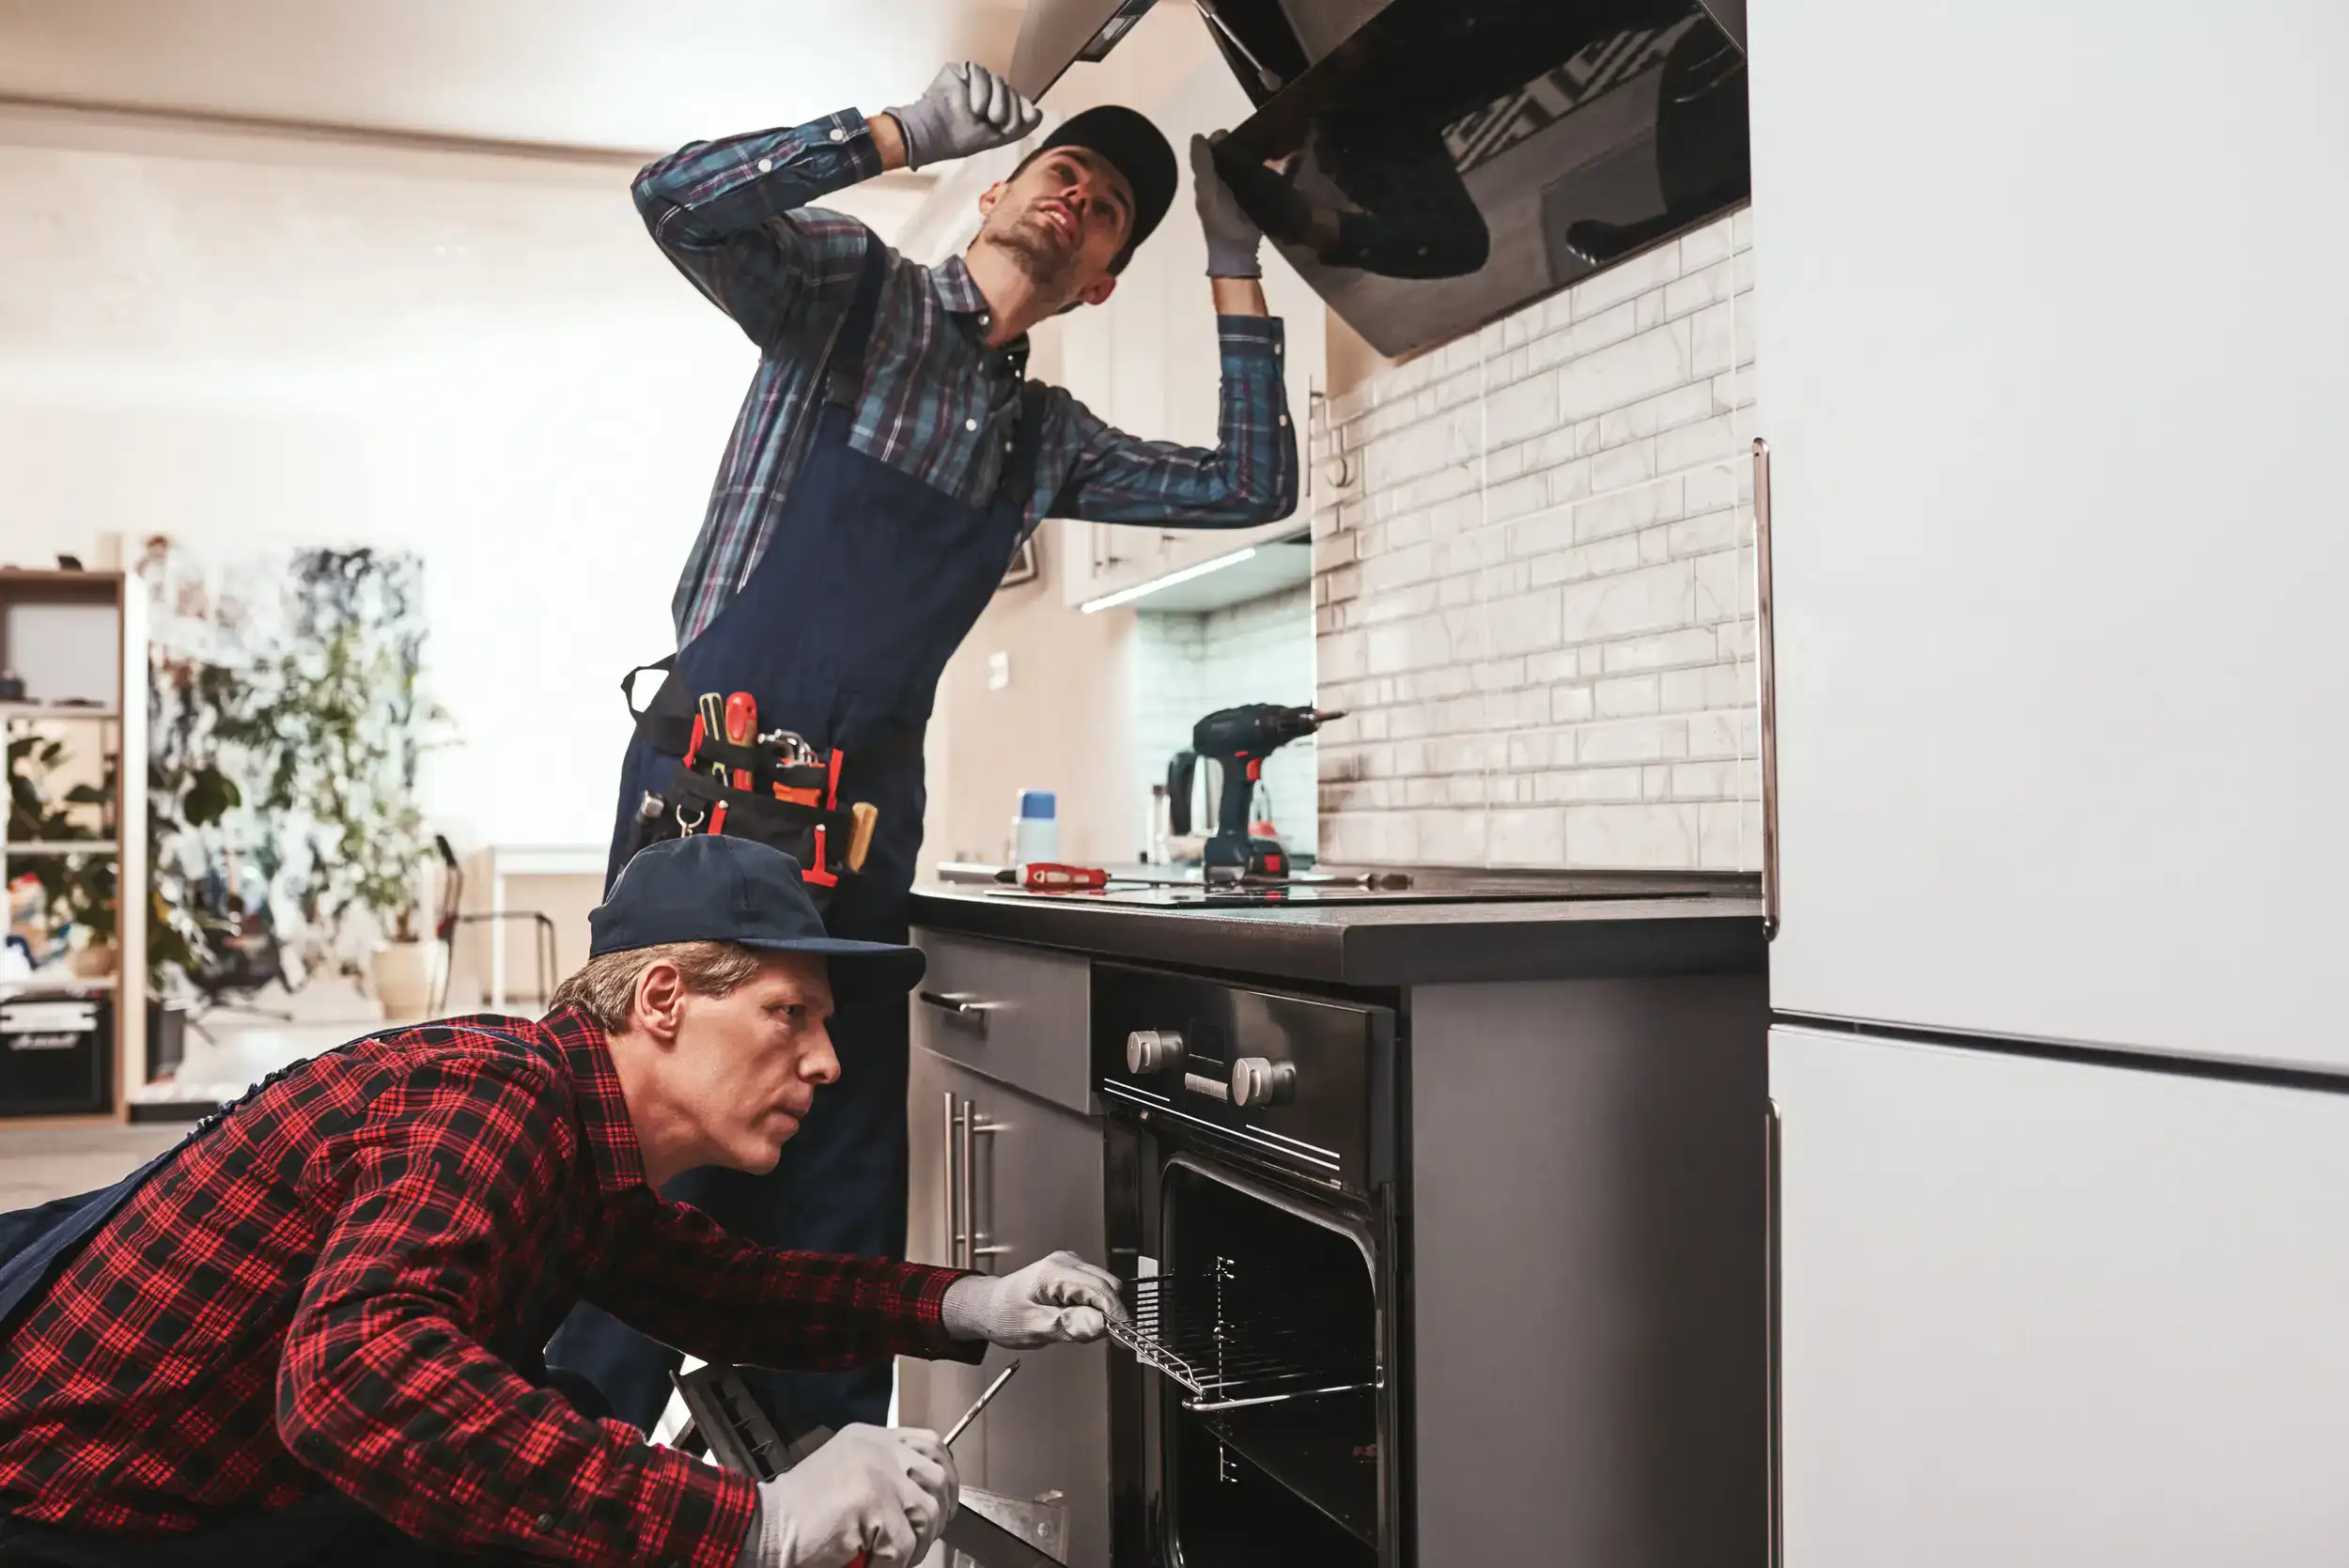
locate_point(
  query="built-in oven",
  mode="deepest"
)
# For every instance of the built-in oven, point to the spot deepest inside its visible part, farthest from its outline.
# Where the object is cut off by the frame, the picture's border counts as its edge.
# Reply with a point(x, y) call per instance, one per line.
point(1259, 1414)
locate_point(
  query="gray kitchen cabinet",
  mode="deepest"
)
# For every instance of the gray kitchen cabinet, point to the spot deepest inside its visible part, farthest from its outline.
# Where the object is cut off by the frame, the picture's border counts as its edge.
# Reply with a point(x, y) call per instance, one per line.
point(1030, 1184)
point(2042, 1313)
point(2056, 515)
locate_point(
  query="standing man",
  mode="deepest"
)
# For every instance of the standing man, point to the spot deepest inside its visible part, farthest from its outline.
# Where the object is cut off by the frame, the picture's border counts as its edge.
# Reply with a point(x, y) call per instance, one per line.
point(887, 463)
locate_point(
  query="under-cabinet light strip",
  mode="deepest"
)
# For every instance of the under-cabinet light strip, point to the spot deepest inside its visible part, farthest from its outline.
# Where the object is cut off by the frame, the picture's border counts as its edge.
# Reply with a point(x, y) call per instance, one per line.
point(1127, 596)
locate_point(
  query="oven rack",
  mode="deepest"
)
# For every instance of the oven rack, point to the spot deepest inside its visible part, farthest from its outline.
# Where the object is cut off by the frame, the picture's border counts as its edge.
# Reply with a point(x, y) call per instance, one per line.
point(1229, 1343)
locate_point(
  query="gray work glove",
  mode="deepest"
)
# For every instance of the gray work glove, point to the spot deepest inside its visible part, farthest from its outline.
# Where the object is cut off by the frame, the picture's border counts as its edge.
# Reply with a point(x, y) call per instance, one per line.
point(1061, 1299)
point(968, 109)
point(885, 1492)
point(1232, 234)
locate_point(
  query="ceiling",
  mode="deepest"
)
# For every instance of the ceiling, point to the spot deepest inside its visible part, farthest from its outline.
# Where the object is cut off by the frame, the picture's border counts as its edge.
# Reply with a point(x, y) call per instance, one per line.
point(616, 74)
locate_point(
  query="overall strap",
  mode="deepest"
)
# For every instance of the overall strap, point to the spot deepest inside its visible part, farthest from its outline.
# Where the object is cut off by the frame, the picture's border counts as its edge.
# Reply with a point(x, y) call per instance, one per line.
point(1018, 486)
point(844, 380)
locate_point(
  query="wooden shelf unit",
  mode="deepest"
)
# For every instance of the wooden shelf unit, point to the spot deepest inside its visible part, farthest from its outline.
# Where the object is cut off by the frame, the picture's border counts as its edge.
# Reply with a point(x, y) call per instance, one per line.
point(120, 726)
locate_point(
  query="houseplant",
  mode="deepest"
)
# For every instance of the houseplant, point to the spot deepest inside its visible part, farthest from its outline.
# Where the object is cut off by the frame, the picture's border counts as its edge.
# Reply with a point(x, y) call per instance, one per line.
point(305, 692)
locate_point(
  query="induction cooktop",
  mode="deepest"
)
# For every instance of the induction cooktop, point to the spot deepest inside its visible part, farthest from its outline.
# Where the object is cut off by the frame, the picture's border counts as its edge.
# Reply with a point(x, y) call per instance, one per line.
point(1421, 886)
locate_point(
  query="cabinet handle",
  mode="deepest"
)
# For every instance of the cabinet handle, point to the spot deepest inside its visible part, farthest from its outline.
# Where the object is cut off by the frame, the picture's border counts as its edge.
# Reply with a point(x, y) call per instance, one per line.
point(1773, 1385)
point(964, 1010)
point(955, 1238)
point(1766, 668)
point(976, 1126)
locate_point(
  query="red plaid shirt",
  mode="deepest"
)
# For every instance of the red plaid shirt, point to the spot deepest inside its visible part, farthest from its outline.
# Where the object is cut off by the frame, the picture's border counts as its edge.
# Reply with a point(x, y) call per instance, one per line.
point(303, 1297)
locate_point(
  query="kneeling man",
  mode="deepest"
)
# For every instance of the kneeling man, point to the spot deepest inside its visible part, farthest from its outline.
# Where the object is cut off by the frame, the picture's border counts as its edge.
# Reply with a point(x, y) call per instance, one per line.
point(311, 1333)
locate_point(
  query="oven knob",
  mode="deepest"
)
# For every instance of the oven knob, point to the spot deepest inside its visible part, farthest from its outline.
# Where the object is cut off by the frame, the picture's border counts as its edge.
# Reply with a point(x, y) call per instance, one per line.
point(1153, 1050)
point(1259, 1081)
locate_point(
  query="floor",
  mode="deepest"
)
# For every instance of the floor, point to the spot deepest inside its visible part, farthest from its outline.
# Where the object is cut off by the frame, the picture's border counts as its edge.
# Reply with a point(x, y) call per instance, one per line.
point(40, 1163)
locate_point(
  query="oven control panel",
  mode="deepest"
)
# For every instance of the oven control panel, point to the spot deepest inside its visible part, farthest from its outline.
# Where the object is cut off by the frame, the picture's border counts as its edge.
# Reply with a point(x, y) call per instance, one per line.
point(1301, 1081)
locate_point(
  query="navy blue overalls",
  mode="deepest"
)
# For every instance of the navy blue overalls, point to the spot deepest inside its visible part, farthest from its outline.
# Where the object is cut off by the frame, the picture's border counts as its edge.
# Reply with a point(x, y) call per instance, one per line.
point(868, 583)
point(37, 1245)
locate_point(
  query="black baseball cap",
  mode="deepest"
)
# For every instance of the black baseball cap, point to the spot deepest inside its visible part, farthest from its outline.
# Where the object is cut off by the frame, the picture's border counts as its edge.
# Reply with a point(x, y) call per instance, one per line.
point(710, 888)
point(1136, 149)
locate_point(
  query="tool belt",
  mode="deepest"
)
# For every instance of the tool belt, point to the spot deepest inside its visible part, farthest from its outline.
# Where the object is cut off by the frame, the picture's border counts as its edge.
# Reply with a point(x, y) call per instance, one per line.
point(774, 787)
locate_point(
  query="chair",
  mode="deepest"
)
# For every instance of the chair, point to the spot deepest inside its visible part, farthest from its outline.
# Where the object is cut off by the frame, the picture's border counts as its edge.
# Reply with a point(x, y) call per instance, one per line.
point(451, 916)
point(244, 958)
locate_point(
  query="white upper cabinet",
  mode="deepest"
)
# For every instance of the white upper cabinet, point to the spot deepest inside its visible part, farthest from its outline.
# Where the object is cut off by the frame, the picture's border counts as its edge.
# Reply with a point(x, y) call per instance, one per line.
point(1149, 360)
point(2054, 360)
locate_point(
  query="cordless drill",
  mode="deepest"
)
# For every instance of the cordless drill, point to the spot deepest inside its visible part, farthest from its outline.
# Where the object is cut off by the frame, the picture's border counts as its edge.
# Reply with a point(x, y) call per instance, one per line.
point(1240, 738)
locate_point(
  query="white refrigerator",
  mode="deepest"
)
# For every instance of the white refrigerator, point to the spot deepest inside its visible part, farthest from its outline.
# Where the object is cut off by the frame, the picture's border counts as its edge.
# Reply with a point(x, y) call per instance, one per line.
point(2053, 349)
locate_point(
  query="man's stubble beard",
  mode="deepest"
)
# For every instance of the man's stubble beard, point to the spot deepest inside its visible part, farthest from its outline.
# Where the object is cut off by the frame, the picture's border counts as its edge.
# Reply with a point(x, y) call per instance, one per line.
point(1046, 267)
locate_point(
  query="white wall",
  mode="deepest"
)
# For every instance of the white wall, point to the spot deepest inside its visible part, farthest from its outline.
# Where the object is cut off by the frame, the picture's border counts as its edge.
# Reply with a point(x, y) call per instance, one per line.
point(1536, 593)
point(228, 336)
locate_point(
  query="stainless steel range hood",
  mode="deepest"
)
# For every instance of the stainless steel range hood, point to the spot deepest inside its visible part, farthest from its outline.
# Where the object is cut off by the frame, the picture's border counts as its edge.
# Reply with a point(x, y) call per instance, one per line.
point(1056, 34)
point(1449, 161)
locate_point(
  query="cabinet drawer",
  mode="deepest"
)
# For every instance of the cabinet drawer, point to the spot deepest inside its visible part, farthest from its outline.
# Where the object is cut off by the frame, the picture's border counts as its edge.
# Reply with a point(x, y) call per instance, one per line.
point(1016, 1013)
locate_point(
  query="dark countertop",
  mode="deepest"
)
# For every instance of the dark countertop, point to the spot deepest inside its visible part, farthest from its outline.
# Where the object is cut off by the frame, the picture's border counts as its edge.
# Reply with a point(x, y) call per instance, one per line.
point(1587, 925)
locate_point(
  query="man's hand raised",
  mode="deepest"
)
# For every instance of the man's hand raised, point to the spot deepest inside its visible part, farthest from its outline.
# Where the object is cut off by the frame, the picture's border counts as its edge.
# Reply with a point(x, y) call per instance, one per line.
point(968, 109)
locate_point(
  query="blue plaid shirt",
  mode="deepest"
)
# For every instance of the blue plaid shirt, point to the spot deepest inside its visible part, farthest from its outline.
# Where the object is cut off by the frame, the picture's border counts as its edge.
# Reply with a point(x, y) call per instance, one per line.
point(937, 403)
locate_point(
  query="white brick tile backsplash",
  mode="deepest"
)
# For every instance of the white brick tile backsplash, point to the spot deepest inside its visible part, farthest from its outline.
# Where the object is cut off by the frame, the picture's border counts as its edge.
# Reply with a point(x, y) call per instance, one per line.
point(1695, 290)
point(1522, 411)
point(1592, 333)
point(1619, 467)
point(1633, 278)
point(1723, 735)
point(1453, 838)
point(1633, 506)
point(1570, 704)
point(1640, 367)
point(1541, 534)
point(1704, 780)
point(1652, 834)
point(1702, 247)
point(1519, 836)
point(1708, 440)
point(1712, 340)
point(1536, 600)
point(1589, 784)
point(1653, 598)
point(1664, 650)
point(1626, 696)
point(1633, 741)
point(1730, 836)
point(1720, 530)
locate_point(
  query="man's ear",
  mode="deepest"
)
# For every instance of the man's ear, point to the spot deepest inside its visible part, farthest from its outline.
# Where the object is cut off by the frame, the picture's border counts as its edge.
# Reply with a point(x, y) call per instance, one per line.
point(989, 197)
point(660, 1003)
point(1098, 290)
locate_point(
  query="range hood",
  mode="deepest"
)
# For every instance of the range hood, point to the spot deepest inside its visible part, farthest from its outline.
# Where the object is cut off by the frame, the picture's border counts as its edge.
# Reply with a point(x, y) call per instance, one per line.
point(1432, 165)
point(1056, 34)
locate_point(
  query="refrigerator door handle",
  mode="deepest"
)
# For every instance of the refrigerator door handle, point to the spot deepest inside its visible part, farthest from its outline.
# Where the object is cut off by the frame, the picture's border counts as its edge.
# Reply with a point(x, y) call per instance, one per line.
point(1765, 667)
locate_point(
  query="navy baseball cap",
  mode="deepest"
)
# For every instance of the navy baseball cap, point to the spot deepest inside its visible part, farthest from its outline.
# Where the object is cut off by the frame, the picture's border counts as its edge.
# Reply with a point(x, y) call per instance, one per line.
point(710, 888)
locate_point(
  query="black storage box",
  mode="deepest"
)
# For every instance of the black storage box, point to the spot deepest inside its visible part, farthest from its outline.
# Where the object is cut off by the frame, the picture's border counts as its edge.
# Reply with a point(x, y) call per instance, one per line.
point(56, 1055)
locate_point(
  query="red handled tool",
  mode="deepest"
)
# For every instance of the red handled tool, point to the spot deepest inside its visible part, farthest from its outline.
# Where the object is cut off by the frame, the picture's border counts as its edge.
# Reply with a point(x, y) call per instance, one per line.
point(1052, 876)
point(741, 718)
